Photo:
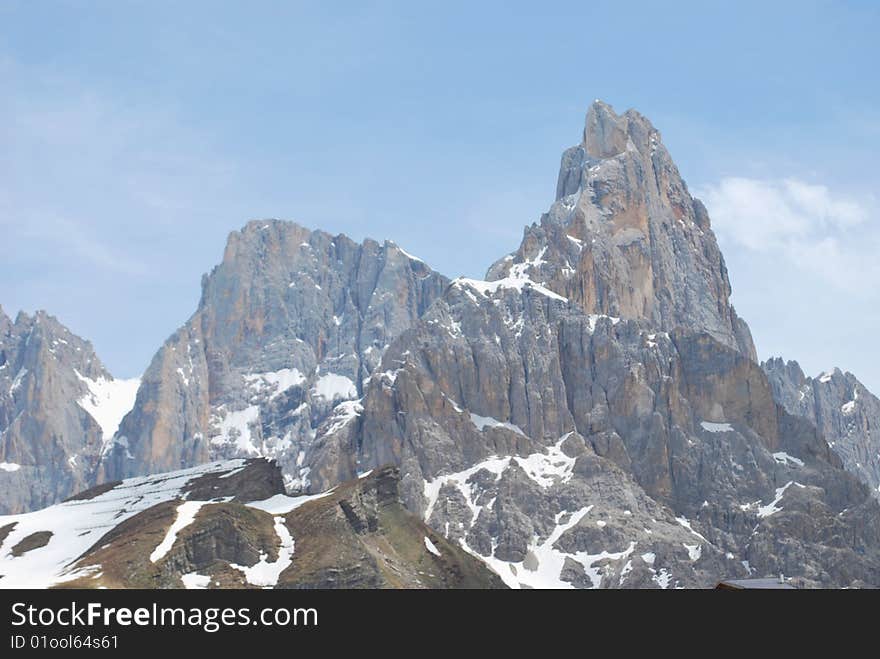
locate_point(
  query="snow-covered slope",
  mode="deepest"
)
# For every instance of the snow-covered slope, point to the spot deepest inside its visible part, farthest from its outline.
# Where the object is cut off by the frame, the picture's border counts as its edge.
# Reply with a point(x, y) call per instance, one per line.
point(76, 525)
point(107, 401)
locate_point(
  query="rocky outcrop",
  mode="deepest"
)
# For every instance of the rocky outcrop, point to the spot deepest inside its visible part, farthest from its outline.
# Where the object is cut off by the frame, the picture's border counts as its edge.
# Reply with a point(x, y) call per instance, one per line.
point(844, 411)
point(288, 326)
point(58, 405)
point(361, 536)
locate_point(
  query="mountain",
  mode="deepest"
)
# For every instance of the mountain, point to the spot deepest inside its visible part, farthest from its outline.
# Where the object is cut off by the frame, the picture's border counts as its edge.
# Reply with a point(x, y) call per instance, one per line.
point(591, 415)
point(288, 326)
point(625, 238)
point(58, 407)
point(569, 447)
point(840, 407)
point(229, 524)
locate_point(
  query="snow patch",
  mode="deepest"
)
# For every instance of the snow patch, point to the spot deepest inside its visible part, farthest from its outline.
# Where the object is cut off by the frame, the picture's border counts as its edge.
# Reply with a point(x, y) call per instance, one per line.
point(276, 382)
point(281, 504)
point(549, 560)
point(489, 288)
point(19, 378)
point(408, 255)
point(186, 515)
point(709, 426)
point(694, 551)
point(546, 469)
point(594, 319)
point(459, 480)
point(332, 387)
point(264, 573)
point(579, 243)
point(685, 522)
point(770, 508)
point(549, 468)
point(784, 458)
point(342, 414)
point(430, 547)
point(235, 428)
point(662, 578)
point(195, 581)
point(481, 422)
point(108, 401)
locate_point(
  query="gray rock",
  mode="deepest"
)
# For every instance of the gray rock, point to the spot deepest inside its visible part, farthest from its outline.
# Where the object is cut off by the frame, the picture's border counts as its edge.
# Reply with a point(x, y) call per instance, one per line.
point(842, 409)
point(626, 239)
point(488, 387)
point(288, 327)
point(50, 444)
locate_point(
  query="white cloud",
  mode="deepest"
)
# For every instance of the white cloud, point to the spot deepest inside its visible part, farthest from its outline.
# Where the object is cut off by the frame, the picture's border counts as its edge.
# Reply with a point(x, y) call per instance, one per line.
point(832, 235)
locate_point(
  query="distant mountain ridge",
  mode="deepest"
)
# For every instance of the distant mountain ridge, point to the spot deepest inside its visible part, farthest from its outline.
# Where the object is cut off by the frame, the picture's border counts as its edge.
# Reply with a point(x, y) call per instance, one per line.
point(847, 414)
point(59, 407)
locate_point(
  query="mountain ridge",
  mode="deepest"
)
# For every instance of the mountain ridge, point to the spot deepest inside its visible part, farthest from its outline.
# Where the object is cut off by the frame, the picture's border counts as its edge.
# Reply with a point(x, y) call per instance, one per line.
point(592, 414)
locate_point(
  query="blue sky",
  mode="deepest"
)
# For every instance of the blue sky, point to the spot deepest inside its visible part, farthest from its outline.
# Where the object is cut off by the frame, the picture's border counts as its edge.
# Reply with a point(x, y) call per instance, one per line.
point(136, 135)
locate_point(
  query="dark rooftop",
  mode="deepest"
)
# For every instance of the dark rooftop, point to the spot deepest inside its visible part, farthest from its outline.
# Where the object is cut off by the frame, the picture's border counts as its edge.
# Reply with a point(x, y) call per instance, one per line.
point(755, 584)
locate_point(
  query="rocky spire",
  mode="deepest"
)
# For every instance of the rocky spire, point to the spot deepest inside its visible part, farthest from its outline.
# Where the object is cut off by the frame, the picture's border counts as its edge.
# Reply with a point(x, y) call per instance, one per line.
point(625, 237)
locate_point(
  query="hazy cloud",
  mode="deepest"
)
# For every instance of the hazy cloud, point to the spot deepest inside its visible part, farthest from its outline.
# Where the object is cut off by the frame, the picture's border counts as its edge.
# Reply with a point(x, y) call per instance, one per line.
point(832, 235)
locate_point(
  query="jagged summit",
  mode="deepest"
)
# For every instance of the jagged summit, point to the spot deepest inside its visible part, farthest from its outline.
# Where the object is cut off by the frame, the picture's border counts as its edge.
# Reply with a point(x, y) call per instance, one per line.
point(289, 325)
point(607, 134)
point(841, 407)
point(625, 238)
point(58, 404)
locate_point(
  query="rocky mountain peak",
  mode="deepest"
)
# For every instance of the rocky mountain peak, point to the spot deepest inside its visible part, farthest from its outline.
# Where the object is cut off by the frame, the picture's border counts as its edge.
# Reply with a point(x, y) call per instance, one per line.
point(290, 325)
point(607, 134)
point(625, 238)
point(57, 404)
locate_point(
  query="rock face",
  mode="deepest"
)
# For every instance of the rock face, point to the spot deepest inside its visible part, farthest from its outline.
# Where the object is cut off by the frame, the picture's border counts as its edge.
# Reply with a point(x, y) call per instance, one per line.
point(57, 406)
point(844, 411)
point(625, 238)
point(538, 435)
point(288, 326)
point(361, 536)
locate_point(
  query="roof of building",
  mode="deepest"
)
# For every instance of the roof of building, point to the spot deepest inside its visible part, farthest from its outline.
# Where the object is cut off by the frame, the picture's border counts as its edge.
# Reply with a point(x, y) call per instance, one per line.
point(759, 584)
